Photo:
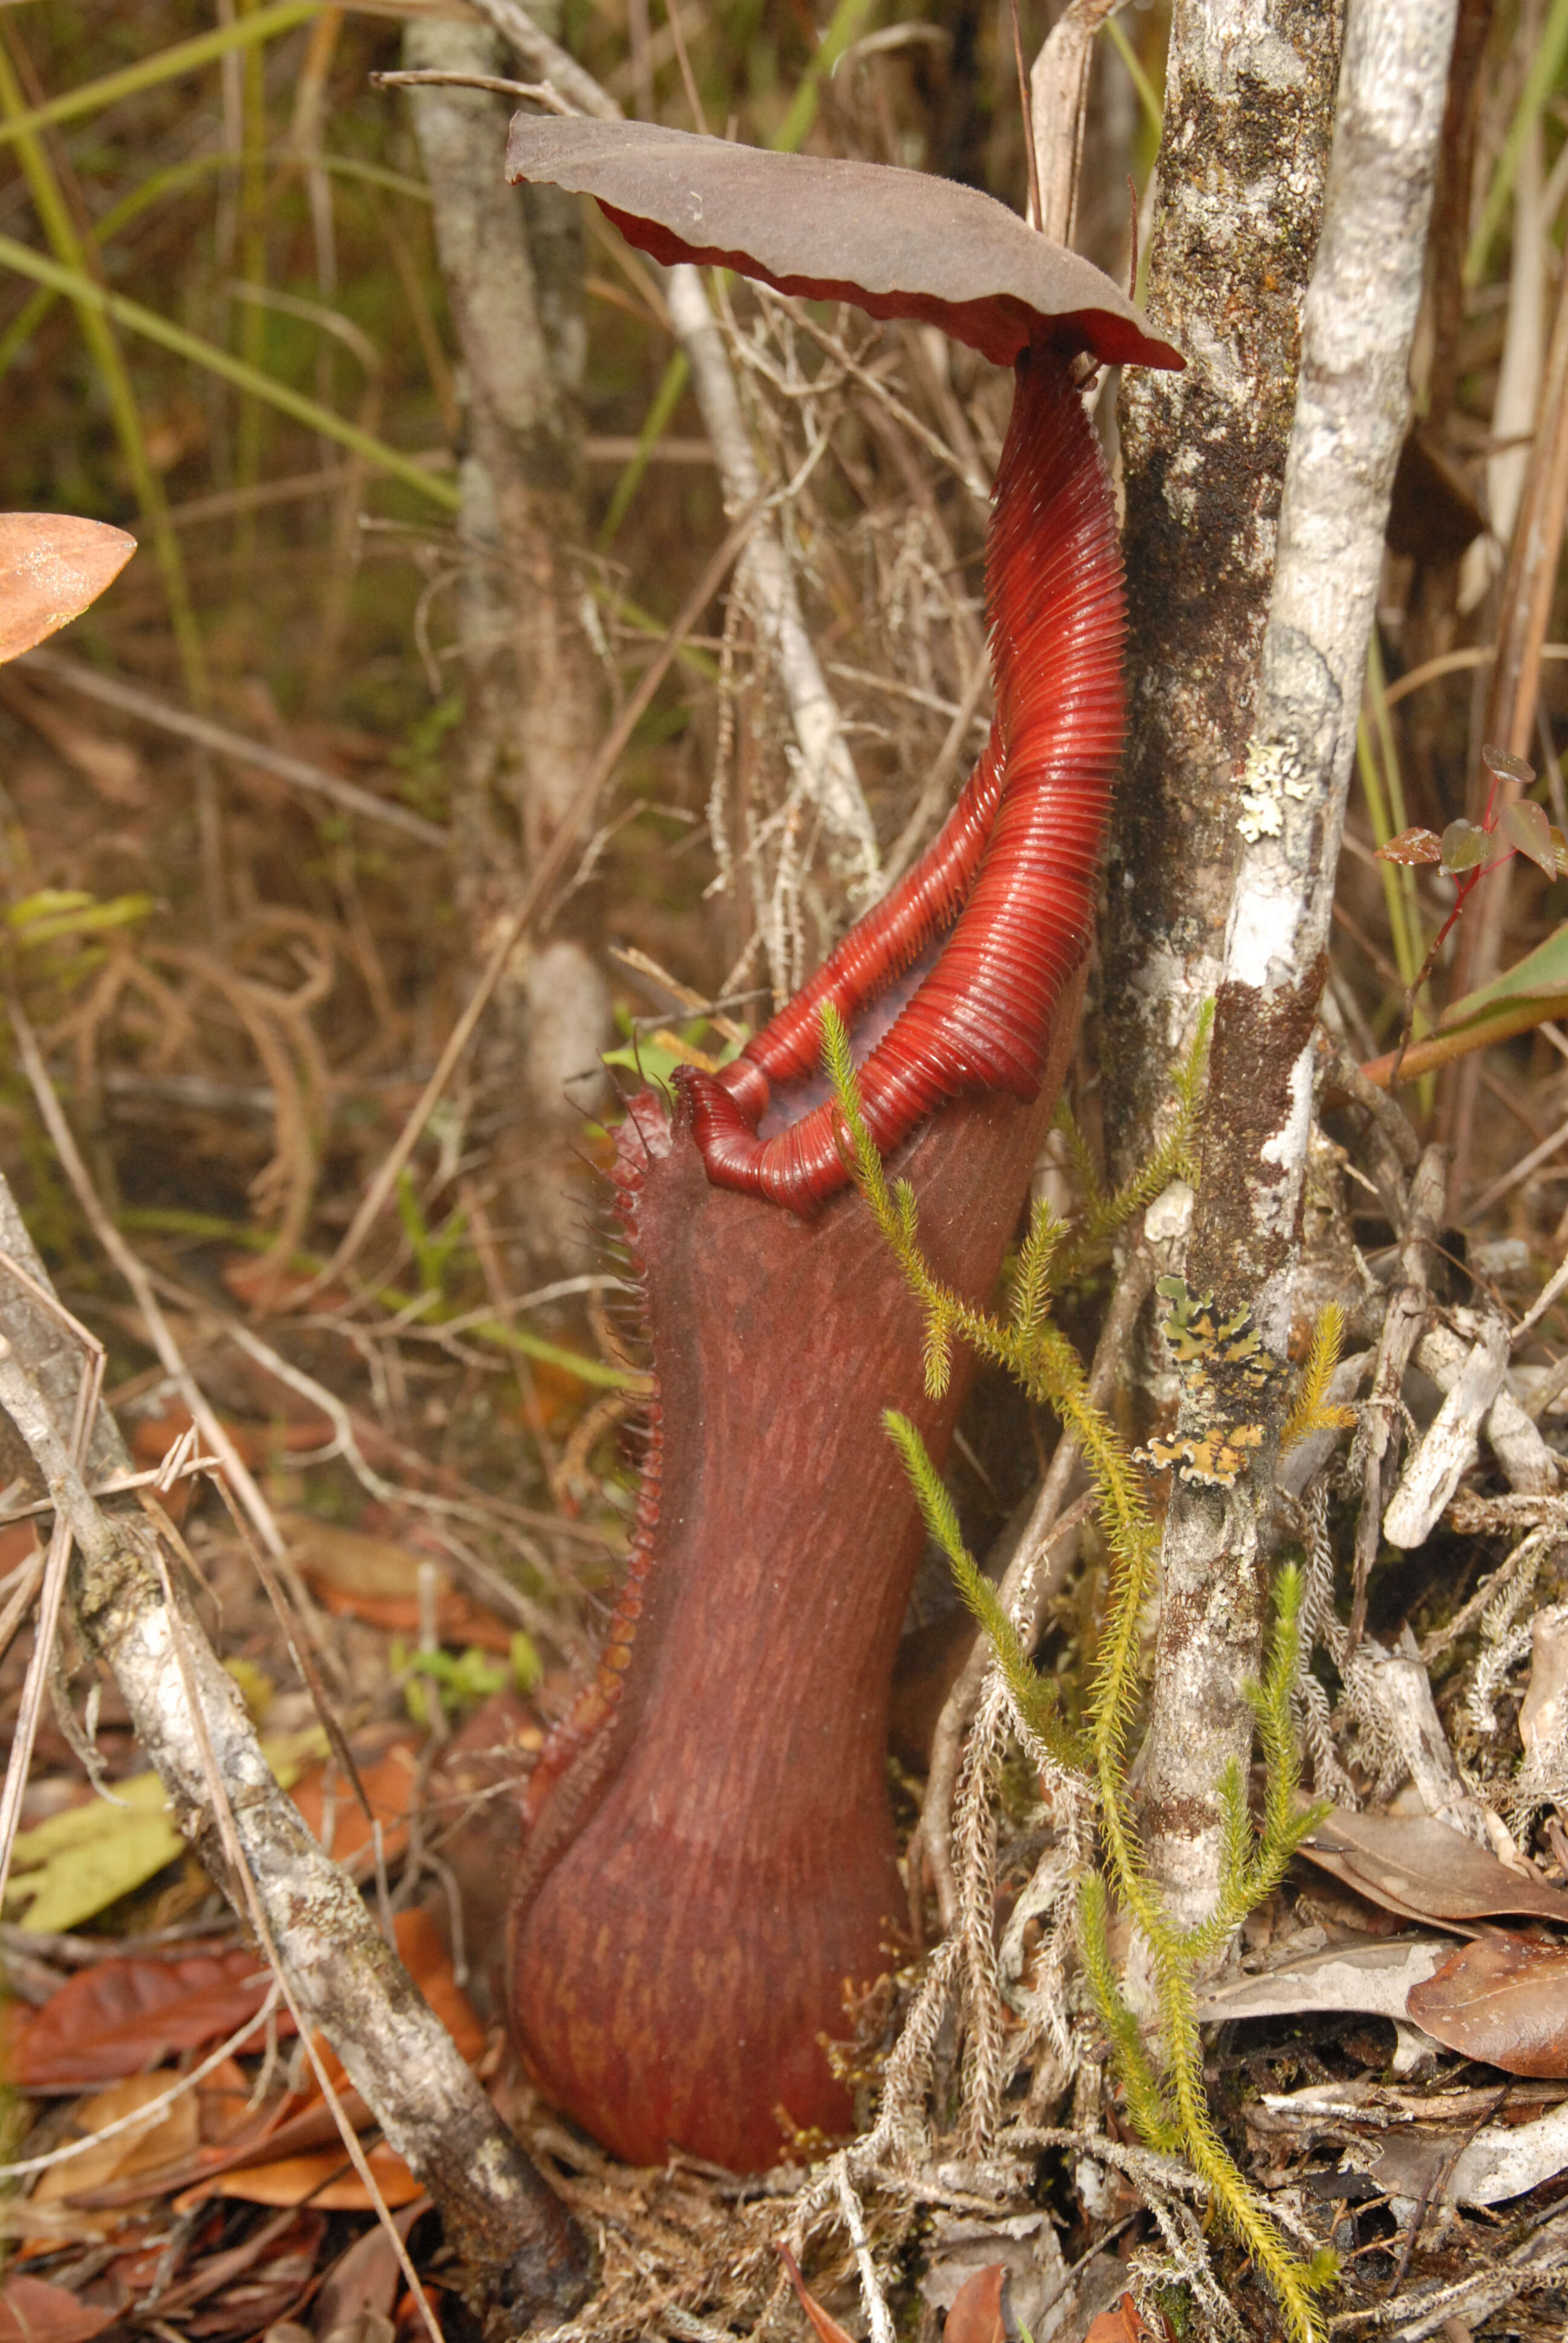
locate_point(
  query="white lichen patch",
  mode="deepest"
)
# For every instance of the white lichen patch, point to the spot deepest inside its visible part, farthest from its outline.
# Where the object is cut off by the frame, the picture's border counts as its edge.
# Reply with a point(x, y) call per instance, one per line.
point(1273, 773)
point(1288, 1147)
point(1169, 1216)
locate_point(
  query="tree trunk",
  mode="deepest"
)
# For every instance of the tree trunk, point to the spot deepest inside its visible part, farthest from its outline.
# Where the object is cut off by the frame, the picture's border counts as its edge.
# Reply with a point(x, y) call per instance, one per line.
point(512, 265)
point(1248, 110)
point(1287, 817)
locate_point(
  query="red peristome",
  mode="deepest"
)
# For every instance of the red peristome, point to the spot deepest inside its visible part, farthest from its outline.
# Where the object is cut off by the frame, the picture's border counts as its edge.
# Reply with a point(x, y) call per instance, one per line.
point(1022, 884)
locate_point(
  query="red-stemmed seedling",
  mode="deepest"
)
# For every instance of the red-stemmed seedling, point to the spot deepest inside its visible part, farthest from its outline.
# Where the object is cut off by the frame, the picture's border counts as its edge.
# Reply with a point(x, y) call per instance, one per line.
point(1467, 850)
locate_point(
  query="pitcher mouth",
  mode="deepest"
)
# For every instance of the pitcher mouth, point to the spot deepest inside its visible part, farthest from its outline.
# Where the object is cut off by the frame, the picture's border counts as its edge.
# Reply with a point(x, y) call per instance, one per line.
point(790, 1102)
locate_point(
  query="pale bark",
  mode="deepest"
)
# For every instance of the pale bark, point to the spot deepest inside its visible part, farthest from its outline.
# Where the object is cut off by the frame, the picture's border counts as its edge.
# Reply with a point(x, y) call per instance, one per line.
point(507, 264)
point(518, 2257)
point(1452, 1442)
point(1529, 1465)
point(1248, 116)
point(511, 264)
point(1397, 1686)
point(1350, 412)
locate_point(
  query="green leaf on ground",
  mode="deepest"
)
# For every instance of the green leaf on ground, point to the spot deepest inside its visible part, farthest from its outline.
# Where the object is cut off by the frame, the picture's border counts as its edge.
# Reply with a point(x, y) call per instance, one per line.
point(76, 1863)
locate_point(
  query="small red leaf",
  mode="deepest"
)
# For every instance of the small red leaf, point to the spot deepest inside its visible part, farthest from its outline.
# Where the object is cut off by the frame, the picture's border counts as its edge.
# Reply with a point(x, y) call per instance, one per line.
point(1464, 848)
point(1411, 846)
point(1525, 827)
point(1503, 767)
point(976, 2315)
point(52, 566)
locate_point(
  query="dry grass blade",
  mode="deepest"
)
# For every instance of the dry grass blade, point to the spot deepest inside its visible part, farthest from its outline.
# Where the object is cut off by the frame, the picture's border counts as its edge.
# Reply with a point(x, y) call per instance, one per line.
point(1458, 662)
point(1515, 685)
point(1514, 691)
point(1059, 100)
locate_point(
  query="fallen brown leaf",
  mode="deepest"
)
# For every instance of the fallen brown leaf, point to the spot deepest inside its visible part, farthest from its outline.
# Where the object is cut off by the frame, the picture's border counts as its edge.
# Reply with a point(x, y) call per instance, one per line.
point(119, 2017)
point(1425, 1871)
point(827, 2328)
point(127, 2156)
point(34, 2312)
point(976, 2315)
point(1375, 1978)
point(52, 567)
point(389, 1784)
point(1503, 1999)
point(327, 2181)
point(377, 1580)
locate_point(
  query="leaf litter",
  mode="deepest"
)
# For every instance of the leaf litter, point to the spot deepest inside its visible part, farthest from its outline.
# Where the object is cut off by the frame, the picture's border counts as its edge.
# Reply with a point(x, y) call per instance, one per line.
point(218, 1068)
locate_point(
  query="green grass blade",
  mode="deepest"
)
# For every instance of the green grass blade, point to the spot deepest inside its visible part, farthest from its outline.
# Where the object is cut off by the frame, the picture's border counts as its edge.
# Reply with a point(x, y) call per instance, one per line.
point(152, 189)
point(1148, 96)
point(174, 181)
point(1539, 84)
point(655, 423)
point(843, 27)
point(88, 294)
point(164, 65)
point(56, 218)
point(23, 327)
point(251, 423)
